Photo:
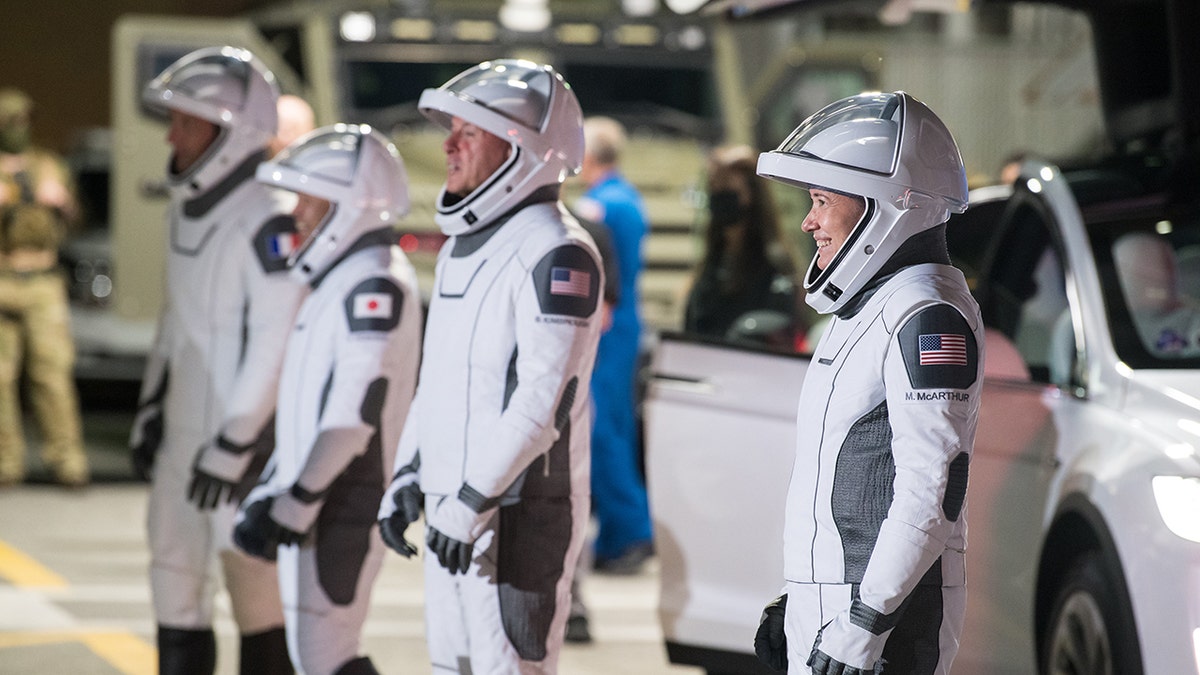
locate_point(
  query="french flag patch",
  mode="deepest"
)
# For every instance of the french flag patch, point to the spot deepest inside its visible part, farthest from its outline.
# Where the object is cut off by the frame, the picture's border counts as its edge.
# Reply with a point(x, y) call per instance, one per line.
point(570, 281)
point(942, 349)
point(372, 306)
point(283, 244)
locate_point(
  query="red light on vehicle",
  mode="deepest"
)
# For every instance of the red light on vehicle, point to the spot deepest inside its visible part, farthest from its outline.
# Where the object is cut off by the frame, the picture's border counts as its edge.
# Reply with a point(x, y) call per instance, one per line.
point(409, 242)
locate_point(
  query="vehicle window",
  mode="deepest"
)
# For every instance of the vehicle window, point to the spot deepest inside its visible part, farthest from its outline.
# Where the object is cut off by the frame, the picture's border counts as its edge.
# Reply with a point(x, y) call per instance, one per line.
point(1025, 298)
point(1150, 270)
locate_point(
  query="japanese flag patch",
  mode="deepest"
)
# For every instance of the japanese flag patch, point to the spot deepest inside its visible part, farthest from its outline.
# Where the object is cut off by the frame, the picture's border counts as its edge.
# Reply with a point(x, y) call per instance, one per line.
point(374, 305)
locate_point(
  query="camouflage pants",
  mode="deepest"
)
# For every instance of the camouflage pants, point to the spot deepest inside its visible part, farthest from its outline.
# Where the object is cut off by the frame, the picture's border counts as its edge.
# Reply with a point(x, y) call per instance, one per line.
point(35, 336)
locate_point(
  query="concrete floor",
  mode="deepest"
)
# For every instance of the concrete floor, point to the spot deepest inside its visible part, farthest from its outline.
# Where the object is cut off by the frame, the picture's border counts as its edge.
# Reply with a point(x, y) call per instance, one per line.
point(74, 596)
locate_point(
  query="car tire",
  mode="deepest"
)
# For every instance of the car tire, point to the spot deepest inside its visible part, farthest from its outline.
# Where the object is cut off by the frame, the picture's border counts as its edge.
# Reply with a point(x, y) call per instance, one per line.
point(1090, 628)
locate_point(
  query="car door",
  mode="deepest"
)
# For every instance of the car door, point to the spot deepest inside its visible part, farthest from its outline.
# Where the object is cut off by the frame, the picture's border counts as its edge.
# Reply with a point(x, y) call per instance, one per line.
point(719, 436)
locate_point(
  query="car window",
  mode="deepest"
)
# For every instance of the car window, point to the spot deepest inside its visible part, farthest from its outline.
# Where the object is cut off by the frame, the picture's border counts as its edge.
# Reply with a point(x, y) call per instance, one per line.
point(1149, 267)
point(1025, 298)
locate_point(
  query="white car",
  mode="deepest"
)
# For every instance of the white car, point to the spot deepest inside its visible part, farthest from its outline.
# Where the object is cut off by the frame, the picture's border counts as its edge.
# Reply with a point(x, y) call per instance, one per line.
point(1084, 494)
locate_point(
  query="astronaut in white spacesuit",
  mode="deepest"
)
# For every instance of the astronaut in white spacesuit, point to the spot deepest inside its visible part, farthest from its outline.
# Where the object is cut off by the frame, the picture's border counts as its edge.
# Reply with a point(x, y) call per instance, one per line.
point(204, 427)
point(498, 438)
point(349, 372)
point(875, 532)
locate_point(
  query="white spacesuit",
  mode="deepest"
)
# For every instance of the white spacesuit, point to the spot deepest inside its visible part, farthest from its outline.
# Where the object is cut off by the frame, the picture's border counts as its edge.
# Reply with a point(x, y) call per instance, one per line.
point(348, 377)
point(875, 534)
point(210, 383)
point(499, 435)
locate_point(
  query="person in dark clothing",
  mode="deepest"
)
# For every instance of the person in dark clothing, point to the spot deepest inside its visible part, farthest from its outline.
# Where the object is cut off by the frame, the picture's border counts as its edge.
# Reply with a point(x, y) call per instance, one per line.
point(744, 288)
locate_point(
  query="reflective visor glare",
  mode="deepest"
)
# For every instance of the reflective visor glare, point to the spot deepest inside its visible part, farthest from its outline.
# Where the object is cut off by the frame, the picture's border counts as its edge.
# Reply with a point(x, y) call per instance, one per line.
point(519, 93)
point(331, 157)
point(858, 120)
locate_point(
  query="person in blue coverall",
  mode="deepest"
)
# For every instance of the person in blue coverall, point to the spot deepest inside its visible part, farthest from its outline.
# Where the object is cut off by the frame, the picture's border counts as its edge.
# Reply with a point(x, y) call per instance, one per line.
point(618, 489)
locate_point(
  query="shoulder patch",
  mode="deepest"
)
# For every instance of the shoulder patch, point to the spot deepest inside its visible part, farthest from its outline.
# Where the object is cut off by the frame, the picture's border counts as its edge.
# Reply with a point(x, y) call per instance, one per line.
point(275, 242)
point(374, 305)
point(568, 282)
point(939, 349)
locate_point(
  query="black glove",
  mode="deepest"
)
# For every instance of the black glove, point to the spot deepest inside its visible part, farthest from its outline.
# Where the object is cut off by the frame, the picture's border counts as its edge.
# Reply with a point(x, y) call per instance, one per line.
point(770, 642)
point(208, 491)
point(255, 532)
point(452, 554)
point(145, 439)
point(408, 500)
point(824, 664)
point(259, 534)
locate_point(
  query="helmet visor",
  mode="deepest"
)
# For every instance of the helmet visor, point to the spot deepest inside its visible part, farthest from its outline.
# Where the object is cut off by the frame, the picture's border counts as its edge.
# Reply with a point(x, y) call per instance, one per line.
point(331, 157)
point(859, 133)
point(218, 80)
point(518, 90)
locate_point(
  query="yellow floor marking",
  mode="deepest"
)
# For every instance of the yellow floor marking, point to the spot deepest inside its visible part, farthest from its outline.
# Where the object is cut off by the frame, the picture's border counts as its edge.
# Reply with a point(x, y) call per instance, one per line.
point(125, 652)
point(24, 571)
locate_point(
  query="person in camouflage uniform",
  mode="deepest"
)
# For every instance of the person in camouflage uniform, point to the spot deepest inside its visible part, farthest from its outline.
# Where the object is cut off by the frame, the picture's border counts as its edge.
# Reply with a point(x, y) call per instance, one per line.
point(36, 205)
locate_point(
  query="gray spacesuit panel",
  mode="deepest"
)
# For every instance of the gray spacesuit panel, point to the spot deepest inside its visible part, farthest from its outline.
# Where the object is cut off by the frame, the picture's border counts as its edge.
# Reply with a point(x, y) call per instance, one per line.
point(862, 488)
point(344, 526)
point(534, 536)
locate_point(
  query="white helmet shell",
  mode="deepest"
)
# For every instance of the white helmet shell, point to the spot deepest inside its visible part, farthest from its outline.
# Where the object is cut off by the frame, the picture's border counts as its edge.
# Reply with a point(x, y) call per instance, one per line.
point(890, 149)
point(229, 87)
point(529, 105)
point(358, 171)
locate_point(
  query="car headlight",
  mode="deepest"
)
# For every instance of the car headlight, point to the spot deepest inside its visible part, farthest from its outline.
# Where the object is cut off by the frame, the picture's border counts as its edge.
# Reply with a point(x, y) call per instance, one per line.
point(1178, 499)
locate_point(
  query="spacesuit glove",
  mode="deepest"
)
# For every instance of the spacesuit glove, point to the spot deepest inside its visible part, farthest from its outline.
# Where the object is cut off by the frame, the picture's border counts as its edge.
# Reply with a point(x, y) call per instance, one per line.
point(454, 525)
point(843, 648)
point(295, 512)
point(400, 507)
point(770, 642)
point(219, 469)
point(145, 438)
point(255, 532)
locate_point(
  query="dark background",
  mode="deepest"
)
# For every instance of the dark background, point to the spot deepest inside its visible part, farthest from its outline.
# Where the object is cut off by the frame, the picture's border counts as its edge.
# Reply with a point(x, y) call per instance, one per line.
point(59, 52)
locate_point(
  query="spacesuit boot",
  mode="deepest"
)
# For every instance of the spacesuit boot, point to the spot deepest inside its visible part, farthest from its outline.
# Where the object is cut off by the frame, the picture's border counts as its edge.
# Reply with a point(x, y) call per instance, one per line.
point(186, 652)
point(265, 653)
point(360, 666)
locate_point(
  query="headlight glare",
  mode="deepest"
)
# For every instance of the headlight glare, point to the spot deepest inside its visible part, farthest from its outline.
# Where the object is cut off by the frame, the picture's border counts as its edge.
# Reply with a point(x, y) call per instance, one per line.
point(1178, 499)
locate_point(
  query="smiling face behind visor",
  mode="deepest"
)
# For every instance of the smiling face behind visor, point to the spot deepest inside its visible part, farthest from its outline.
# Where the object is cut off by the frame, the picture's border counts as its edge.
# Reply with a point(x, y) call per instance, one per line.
point(889, 149)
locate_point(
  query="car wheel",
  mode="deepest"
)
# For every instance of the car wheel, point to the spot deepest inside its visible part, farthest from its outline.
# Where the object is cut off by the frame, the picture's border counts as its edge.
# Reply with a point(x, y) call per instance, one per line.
point(1089, 631)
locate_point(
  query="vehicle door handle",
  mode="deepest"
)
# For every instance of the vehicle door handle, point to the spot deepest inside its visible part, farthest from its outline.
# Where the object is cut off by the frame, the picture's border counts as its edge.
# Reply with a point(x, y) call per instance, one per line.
point(684, 383)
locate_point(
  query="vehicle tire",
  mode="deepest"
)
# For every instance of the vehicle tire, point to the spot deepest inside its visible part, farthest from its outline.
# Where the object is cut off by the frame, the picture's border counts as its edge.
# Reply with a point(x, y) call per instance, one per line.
point(1090, 631)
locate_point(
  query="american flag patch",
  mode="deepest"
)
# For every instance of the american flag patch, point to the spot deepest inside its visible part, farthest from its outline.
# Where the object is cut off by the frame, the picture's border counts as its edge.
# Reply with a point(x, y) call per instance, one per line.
point(284, 244)
point(570, 281)
point(942, 349)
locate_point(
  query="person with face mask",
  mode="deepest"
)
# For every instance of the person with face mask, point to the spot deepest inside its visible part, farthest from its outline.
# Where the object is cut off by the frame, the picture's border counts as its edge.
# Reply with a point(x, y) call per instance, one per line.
point(875, 531)
point(349, 372)
point(36, 207)
point(744, 288)
point(204, 424)
point(498, 436)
